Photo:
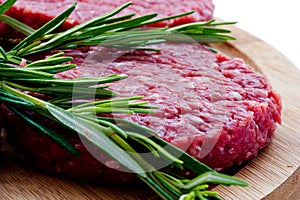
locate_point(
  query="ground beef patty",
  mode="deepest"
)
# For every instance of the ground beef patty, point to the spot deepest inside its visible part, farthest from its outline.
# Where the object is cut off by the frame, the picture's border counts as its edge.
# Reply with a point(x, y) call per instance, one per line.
point(218, 109)
point(36, 13)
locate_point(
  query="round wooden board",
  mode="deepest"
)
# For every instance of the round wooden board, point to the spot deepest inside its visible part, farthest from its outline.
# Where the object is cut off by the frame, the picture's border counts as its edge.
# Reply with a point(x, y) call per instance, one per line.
point(274, 174)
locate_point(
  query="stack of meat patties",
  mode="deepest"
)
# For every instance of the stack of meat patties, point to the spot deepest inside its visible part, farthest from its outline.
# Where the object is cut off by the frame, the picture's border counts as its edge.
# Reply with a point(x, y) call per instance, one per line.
point(216, 108)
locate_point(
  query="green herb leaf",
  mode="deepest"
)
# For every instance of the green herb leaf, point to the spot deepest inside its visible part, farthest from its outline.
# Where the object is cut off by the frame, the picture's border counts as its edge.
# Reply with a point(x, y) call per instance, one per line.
point(92, 22)
point(6, 5)
point(95, 134)
point(214, 177)
point(3, 53)
point(119, 32)
point(47, 28)
point(17, 25)
point(23, 72)
point(52, 69)
point(49, 61)
point(8, 98)
point(52, 134)
point(79, 82)
point(74, 106)
point(189, 162)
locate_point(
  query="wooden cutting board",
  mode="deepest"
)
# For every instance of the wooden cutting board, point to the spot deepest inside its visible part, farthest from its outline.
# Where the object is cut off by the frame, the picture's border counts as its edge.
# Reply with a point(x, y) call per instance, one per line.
point(273, 175)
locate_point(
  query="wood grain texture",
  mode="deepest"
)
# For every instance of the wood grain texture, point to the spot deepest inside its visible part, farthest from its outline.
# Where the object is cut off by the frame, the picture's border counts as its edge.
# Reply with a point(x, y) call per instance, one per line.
point(273, 175)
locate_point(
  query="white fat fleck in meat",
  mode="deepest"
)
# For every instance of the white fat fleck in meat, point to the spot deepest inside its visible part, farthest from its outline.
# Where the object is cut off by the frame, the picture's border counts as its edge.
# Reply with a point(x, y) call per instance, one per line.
point(210, 141)
point(235, 95)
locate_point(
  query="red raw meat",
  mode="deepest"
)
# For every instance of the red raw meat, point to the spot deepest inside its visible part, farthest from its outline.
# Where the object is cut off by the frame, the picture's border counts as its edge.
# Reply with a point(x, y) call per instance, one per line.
point(216, 108)
point(36, 13)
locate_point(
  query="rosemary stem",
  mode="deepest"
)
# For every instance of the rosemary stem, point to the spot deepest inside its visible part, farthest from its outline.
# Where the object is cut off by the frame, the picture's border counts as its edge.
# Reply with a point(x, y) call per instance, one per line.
point(155, 146)
point(113, 136)
point(38, 102)
point(96, 103)
point(131, 151)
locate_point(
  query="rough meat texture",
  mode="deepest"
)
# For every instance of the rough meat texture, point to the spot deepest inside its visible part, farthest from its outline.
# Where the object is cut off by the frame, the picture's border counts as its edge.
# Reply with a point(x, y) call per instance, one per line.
point(205, 100)
point(35, 13)
point(216, 108)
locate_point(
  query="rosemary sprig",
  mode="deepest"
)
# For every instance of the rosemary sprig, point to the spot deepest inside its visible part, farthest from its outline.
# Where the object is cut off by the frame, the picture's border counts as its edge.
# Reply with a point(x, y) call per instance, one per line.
point(114, 32)
point(113, 142)
point(6, 5)
point(119, 138)
point(19, 26)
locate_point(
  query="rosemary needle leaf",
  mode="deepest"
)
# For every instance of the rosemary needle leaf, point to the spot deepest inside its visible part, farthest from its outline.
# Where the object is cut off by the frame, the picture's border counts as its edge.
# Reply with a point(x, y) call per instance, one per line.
point(123, 24)
point(2, 52)
point(173, 190)
point(190, 196)
point(100, 20)
point(156, 187)
point(65, 90)
point(129, 125)
point(62, 99)
point(117, 19)
point(214, 177)
point(54, 69)
point(22, 72)
point(167, 18)
point(159, 148)
point(59, 54)
point(113, 127)
point(48, 27)
point(75, 83)
point(18, 94)
point(52, 134)
point(92, 22)
point(8, 98)
point(26, 48)
point(149, 147)
point(50, 61)
point(188, 161)
point(11, 59)
point(107, 102)
point(94, 133)
point(92, 110)
point(17, 25)
point(6, 5)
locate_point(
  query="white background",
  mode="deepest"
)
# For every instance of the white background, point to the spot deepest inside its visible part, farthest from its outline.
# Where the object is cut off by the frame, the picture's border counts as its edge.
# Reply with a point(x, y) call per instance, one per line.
point(275, 22)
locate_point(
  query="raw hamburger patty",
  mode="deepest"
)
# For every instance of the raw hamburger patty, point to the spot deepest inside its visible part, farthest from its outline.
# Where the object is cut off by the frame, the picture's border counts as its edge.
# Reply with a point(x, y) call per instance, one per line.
point(35, 13)
point(216, 108)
